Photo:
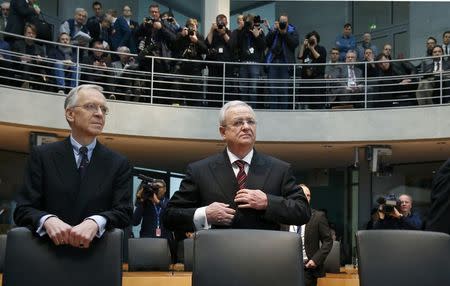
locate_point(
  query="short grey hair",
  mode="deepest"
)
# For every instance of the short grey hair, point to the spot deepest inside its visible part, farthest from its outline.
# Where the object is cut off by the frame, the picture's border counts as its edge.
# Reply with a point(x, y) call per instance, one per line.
point(229, 105)
point(123, 49)
point(78, 10)
point(5, 5)
point(409, 196)
point(72, 97)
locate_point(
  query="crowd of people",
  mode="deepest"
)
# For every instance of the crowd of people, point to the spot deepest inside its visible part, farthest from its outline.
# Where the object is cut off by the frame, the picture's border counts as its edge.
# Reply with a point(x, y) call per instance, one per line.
point(320, 83)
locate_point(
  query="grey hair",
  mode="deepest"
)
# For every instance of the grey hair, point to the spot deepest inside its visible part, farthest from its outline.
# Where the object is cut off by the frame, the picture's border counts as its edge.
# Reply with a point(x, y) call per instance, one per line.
point(78, 10)
point(5, 5)
point(229, 105)
point(72, 97)
point(410, 198)
point(123, 49)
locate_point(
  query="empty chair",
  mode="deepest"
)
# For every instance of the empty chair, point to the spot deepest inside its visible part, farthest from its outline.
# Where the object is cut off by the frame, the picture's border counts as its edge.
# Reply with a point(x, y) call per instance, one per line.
point(32, 260)
point(188, 253)
point(2, 251)
point(332, 262)
point(148, 254)
point(403, 257)
point(227, 257)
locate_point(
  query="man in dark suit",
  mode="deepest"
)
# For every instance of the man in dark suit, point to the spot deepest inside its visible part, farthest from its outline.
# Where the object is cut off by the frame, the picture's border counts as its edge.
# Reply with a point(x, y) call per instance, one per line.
point(76, 189)
point(21, 12)
point(439, 216)
point(316, 231)
point(238, 188)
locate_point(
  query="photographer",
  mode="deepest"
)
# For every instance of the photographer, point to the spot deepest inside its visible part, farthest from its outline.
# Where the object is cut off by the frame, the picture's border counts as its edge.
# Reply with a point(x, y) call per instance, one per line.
point(190, 45)
point(248, 44)
point(396, 214)
point(281, 41)
point(155, 38)
point(218, 42)
point(312, 53)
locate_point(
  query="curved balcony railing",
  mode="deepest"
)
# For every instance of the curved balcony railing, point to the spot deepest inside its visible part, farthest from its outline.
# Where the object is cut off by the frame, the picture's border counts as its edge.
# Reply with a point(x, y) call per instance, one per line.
point(175, 81)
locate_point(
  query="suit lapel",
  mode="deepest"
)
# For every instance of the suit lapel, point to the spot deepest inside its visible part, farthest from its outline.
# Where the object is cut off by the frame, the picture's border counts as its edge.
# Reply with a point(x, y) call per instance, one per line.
point(66, 167)
point(95, 173)
point(224, 176)
point(258, 172)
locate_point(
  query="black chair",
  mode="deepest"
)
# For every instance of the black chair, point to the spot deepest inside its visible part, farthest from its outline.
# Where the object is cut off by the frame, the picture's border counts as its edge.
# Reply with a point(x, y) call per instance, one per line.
point(403, 257)
point(32, 260)
point(228, 257)
point(148, 253)
point(332, 262)
point(2, 252)
point(188, 253)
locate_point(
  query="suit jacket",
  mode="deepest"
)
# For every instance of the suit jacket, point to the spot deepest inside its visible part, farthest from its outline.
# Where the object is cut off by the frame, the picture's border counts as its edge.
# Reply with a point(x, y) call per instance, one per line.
point(439, 215)
point(20, 13)
point(316, 231)
point(213, 180)
point(344, 75)
point(122, 35)
point(52, 186)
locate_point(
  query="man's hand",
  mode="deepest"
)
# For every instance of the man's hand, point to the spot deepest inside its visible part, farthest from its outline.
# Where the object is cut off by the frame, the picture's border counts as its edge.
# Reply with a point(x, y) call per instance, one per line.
point(57, 230)
point(81, 235)
point(254, 199)
point(219, 213)
point(310, 264)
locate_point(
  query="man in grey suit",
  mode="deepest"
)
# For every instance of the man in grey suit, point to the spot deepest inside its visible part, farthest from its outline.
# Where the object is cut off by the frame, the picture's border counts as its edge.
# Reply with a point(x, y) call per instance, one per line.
point(350, 88)
point(238, 188)
point(314, 233)
point(76, 189)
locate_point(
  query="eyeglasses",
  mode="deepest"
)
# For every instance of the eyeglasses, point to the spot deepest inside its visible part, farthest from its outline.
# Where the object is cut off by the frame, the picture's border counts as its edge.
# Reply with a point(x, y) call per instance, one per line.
point(93, 108)
point(240, 122)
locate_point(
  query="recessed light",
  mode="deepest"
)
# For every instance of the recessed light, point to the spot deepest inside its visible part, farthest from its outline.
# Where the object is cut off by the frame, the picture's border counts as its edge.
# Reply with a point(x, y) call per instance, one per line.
point(327, 146)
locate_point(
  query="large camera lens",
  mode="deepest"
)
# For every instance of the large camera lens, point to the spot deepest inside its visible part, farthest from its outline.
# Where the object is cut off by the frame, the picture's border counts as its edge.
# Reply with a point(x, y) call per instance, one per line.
point(282, 25)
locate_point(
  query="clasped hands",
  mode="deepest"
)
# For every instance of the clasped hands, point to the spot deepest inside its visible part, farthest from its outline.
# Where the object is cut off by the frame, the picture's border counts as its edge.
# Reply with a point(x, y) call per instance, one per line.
point(79, 236)
point(221, 214)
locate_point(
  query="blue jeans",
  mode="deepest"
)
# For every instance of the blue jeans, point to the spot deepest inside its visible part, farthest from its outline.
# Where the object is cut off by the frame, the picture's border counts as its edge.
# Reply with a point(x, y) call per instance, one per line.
point(60, 73)
point(248, 75)
point(278, 89)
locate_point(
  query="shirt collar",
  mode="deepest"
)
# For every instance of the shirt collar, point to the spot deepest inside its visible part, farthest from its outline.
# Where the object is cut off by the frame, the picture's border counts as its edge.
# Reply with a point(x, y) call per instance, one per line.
point(76, 146)
point(233, 158)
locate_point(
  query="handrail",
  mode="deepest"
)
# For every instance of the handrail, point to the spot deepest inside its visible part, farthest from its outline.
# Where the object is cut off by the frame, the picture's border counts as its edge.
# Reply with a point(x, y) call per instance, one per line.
point(182, 87)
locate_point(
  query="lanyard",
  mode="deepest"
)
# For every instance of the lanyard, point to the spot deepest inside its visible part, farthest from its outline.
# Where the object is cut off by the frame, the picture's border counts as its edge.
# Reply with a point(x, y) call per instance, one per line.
point(158, 213)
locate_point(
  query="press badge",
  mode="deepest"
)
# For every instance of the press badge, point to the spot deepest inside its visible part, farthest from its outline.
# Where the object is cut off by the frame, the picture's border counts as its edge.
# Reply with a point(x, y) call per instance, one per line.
point(158, 232)
point(251, 50)
point(220, 51)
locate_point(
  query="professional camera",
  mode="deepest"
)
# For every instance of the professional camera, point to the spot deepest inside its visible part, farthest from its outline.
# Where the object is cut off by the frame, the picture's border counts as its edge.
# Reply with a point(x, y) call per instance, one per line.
point(388, 204)
point(282, 25)
point(191, 31)
point(311, 41)
point(170, 19)
point(220, 25)
point(150, 187)
point(150, 20)
point(257, 21)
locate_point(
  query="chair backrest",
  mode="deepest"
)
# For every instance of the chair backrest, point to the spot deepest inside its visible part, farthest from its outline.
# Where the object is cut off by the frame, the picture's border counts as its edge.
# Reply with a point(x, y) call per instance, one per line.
point(403, 257)
point(2, 251)
point(227, 257)
point(332, 263)
point(148, 253)
point(32, 260)
point(188, 251)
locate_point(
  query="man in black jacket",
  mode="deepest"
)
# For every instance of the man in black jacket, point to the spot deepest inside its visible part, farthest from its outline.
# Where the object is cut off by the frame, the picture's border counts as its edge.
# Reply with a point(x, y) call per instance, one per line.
point(21, 12)
point(316, 242)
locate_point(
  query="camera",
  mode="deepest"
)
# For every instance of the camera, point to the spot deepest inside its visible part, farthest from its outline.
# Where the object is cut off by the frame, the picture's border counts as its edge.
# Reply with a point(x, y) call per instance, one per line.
point(257, 21)
point(191, 32)
point(170, 19)
point(282, 25)
point(150, 20)
point(388, 204)
point(311, 41)
point(150, 186)
point(220, 25)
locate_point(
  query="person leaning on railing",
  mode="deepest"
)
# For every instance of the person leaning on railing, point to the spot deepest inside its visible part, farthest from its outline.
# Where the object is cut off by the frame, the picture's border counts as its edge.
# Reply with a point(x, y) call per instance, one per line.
point(30, 55)
point(430, 83)
point(95, 68)
point(396, 82)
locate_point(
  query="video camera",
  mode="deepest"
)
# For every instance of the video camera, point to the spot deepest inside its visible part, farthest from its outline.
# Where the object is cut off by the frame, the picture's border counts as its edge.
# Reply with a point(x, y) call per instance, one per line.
point(388, 203)
point(150, 186)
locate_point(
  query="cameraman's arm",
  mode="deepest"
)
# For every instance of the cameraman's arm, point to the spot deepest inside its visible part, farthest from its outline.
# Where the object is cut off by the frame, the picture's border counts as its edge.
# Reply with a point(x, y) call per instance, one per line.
point(201, 44)
point(138, 212)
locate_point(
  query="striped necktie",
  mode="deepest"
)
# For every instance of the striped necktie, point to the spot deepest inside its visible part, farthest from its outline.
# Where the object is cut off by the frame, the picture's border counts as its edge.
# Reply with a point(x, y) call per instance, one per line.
point(241, 175)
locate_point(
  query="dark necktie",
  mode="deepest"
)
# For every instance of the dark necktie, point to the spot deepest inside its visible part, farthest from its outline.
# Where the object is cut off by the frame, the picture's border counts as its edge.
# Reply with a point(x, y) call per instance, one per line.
point(84, 161)
point(241, 175)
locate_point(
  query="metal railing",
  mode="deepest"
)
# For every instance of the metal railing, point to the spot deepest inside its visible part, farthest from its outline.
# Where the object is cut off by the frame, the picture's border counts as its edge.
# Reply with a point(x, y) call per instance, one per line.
point(174, 81)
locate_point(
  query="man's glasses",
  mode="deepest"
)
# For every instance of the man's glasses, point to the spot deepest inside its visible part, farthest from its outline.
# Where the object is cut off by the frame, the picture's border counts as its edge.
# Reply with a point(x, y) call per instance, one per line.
point(93, 108)
point(240, 122)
